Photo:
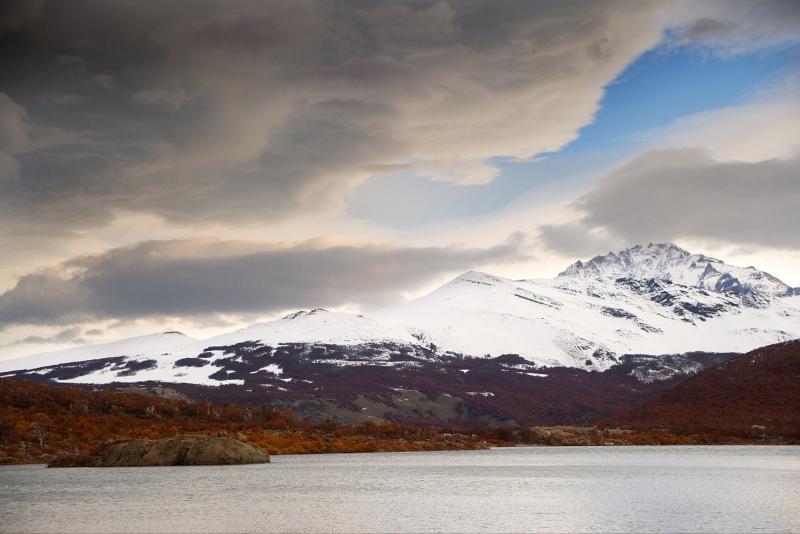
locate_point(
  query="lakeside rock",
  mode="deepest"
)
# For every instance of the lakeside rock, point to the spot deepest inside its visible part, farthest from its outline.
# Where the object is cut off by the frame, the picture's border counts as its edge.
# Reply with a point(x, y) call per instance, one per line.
point(177, 450)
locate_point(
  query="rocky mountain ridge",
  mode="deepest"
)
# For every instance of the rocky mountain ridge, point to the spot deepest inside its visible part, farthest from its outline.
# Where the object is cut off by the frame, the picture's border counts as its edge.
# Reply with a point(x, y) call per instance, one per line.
point(669, 262)
point(652, 300)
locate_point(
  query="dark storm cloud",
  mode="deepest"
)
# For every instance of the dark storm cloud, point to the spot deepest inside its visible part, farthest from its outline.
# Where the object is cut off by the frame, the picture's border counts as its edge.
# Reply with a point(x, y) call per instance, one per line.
point(252, 111)
point(672, 194)
point(200, 277)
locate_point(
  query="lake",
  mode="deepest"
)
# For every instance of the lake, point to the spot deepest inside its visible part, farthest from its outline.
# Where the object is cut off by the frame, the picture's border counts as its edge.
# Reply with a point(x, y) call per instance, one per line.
point(536, 489)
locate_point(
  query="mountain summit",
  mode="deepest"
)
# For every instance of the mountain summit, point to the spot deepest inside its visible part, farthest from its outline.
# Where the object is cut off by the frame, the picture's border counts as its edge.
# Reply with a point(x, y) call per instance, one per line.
point(669, 262)
point(648, 300)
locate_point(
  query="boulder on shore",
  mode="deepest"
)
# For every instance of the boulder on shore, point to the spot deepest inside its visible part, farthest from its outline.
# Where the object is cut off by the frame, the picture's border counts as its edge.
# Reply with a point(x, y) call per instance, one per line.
point(177, 450)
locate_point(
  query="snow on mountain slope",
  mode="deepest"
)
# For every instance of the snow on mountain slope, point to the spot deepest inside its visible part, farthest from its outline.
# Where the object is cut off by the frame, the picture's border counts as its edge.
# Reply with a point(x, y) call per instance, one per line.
point(666, 261)
point(579, 321)
point(157, 357)
point(151, 345)
point(657, 299)
point(318, 326)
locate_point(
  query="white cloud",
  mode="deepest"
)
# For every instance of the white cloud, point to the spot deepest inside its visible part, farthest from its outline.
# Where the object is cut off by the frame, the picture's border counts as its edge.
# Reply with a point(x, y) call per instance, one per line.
point(755, 131)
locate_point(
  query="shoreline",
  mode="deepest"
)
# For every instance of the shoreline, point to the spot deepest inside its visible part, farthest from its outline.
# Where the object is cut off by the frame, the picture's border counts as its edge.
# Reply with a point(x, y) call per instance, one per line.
point(516, 446)
point(492, 447)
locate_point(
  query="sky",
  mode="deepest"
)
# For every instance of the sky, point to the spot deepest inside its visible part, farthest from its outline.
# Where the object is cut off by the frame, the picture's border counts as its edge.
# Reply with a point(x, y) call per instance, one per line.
point(199, 168)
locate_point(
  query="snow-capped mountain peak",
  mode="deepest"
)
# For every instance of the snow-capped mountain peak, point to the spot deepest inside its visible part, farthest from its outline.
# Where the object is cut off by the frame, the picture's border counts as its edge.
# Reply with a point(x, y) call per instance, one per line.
point(654, 299)
point(669, 262)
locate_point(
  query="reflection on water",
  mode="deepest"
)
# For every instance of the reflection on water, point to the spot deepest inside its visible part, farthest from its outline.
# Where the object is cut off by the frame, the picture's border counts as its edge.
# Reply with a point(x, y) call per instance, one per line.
point(547, 489)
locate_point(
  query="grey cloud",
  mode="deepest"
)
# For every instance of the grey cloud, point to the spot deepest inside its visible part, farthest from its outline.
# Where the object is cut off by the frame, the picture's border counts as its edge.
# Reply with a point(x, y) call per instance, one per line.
point(169, 98)
point(709, 28)
point(13, 127)
point(71, 334)
point(736, 27)
point(203, 277)
point(575, 239)
point(242, 111)
point(684, 193)
point(18, 15)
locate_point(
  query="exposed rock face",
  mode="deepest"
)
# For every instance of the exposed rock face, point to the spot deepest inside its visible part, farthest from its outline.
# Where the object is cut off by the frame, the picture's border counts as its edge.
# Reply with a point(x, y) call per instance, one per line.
point(178, 450)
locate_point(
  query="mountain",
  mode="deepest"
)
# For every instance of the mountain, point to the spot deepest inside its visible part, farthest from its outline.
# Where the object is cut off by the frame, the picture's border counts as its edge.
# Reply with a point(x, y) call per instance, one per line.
point(482, 344)
point(174, 357)
point(581, 321)
point(754, 394)
point(668, 262)
point(387, 381)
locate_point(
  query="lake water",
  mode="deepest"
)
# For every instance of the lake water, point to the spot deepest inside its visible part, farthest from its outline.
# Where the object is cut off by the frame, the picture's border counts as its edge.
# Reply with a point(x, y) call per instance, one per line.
point(542, 489)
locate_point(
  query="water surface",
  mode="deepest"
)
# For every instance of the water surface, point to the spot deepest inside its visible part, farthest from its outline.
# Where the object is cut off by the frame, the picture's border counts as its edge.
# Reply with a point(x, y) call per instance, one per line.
point(540, 489)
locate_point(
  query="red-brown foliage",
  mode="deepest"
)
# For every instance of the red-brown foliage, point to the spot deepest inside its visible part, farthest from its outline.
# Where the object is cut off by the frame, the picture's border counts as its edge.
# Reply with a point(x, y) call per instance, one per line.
point(39, 422)
point(753, 396)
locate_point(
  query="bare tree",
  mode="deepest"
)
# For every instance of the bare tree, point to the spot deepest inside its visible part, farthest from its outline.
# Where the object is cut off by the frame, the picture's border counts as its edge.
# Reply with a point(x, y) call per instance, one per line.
point(39, 433)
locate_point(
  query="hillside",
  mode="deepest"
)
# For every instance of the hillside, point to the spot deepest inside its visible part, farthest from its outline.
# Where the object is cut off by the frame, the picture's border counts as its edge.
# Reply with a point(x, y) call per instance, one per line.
point(756, 394)
point(395, 382)
point(40, 422)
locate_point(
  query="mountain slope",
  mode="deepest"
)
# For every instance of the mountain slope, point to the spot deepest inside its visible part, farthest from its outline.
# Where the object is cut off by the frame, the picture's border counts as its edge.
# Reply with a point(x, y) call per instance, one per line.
point(588, 322)
point(650, 300)
point(753, 394)
point(173, 357)
point(390, 381)
point(146, 346)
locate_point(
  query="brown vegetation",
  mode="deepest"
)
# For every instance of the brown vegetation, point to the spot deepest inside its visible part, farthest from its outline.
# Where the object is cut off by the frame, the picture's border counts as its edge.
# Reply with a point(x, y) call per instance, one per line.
point(39, 422)
point(754, 397)
point(420, 387)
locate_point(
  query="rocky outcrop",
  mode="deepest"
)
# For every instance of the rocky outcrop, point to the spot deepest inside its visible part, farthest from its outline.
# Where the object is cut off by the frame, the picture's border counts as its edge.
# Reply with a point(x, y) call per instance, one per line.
point(177, 450)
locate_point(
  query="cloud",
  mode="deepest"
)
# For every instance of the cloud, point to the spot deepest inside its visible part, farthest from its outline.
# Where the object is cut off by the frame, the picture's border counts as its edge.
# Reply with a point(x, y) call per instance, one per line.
point(15, 16)
point(203, 277)
point(765, 128)
point(685, 193)
point(60, 99)
point(576, 239)
point(278, 108)
point(13, 128)
point(13, 139)
point(71, 334)
point(103, 80)
point(726, 176)
point(170, 98)
point(730, 28)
